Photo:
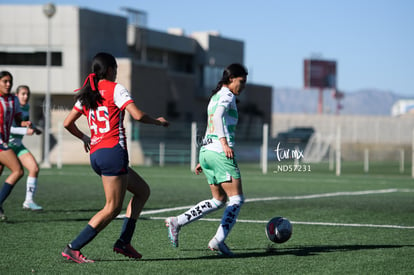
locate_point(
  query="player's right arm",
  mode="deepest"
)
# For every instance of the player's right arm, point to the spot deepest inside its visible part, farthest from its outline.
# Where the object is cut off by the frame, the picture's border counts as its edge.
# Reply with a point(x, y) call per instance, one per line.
point(70, 125)
point(198, 169)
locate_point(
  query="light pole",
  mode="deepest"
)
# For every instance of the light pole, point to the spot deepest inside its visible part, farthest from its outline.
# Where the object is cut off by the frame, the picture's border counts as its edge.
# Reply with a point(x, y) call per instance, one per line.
point(49, 10)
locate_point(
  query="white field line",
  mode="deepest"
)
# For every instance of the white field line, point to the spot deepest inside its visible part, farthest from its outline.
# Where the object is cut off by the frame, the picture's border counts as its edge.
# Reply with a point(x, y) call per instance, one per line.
point(336, 194)
point(311, 223)
point(314, 196)
point(325, 195)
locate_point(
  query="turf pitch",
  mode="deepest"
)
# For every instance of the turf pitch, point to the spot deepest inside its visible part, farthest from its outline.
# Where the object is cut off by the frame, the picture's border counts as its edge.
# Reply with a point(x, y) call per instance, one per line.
point(357, 223)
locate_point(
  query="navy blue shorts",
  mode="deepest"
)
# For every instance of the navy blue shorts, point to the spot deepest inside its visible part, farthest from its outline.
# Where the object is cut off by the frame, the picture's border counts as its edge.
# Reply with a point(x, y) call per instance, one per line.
point(4, 147)
point(110, 161)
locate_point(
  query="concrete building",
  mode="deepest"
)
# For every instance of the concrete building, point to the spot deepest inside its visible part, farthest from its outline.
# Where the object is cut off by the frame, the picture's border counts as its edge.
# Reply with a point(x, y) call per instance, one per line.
point(168, 73)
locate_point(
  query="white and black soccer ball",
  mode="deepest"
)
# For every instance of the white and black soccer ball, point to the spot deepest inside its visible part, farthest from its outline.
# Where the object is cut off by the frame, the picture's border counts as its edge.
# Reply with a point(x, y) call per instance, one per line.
point(278, 230)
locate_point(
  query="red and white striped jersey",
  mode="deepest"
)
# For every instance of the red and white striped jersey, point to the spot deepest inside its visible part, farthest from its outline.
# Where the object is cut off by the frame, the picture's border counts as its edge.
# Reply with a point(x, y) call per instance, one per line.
point(106, 122)
point(9, 109)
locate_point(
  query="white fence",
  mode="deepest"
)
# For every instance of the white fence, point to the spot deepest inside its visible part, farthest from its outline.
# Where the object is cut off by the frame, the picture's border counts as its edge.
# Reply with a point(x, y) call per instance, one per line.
point(354, 129)
point(385, 137)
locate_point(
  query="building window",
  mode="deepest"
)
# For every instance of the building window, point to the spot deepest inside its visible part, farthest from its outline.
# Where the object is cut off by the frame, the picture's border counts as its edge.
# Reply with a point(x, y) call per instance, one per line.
point(212, 76)
point(180, 63)
point(155, 56)
point(29, 59)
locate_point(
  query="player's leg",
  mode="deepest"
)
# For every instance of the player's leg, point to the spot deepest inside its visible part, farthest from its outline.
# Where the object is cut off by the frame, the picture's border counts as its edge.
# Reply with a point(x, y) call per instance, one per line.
point(141, 192)
point(137, 186)
point(9, 159)
point(114, 188)
point(114, 180)
point(228, 174)
point(202, 208)
point(236, 200)
point(29, 162)
point(228, 220)
point(195, 213)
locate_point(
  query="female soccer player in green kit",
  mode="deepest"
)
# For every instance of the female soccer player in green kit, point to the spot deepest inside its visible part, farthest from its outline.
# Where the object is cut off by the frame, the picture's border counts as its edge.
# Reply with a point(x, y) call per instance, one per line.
point(217, 160)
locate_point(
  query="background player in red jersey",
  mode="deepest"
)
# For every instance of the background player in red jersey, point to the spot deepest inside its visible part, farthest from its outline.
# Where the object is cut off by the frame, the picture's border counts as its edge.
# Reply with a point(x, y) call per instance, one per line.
point(104, 102)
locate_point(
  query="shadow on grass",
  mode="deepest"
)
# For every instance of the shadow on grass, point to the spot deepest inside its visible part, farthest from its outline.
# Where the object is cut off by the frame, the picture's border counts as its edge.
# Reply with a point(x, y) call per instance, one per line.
point(271, 251)
point(34, 216)
point(259, 252)
point(315, 250)
point(48, 220)
point(69, 210)
point(42, 216)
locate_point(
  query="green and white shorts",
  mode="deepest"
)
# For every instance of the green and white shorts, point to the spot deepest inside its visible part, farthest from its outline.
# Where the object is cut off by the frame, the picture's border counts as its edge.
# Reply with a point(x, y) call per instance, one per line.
point(18, 149)
point(217, 167)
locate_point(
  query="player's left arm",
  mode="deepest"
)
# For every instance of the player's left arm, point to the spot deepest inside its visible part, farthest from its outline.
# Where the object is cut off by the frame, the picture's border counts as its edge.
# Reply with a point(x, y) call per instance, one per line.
point(141, 116)
point(219, 130)
point(123, 100)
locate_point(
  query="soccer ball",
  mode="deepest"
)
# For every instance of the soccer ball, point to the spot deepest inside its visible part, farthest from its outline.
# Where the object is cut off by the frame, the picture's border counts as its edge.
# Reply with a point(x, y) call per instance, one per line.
point(278, 230)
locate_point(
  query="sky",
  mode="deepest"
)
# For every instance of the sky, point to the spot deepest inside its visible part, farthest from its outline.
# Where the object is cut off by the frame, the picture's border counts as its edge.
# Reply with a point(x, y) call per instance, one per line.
point(371, 41)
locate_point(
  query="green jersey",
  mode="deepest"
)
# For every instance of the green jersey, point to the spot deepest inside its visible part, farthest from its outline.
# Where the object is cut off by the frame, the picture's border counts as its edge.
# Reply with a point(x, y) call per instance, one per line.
point(225, 98)
point(16, 139)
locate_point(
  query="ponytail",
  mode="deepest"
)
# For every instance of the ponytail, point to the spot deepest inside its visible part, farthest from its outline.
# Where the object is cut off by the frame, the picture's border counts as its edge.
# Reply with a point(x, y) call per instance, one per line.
point(219, 85)
point(89, 95)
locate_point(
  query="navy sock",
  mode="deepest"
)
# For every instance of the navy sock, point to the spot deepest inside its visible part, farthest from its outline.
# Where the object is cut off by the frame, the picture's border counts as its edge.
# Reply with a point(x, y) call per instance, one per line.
point(87, 235)
point(5, 192)
point(128, 229)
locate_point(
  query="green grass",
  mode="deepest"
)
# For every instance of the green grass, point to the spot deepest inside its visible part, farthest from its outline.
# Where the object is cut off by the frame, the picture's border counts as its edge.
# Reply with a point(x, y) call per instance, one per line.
point(32, 242)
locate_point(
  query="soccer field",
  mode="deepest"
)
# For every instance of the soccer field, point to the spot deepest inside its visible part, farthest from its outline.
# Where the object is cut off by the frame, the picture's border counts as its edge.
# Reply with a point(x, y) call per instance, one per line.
point(353, 224)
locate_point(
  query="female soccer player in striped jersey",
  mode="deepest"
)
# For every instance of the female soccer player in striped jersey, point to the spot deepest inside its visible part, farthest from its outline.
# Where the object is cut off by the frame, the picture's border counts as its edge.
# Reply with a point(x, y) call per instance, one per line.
point(9, 112)
point(104, 102)
point(217, 160)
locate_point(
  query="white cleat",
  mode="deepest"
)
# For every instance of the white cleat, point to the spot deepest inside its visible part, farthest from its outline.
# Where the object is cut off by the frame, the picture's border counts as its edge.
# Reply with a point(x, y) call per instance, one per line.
point(221, 248)
point(173, 228)
point(32, 206)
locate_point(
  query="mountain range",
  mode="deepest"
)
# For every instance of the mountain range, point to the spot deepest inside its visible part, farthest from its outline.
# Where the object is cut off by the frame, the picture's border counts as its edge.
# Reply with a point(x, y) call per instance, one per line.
point(362, 102)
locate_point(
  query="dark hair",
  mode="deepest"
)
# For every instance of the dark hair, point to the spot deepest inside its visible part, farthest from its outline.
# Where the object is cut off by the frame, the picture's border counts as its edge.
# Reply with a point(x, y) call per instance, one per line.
point(233, 70)
point(89, 95)
point(23, 87)
point(6, 73)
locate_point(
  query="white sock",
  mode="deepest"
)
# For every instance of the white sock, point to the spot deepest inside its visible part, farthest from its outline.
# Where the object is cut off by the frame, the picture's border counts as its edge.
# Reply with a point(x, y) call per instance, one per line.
point(199, 210)
point(31, 186)
point(229, 217)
